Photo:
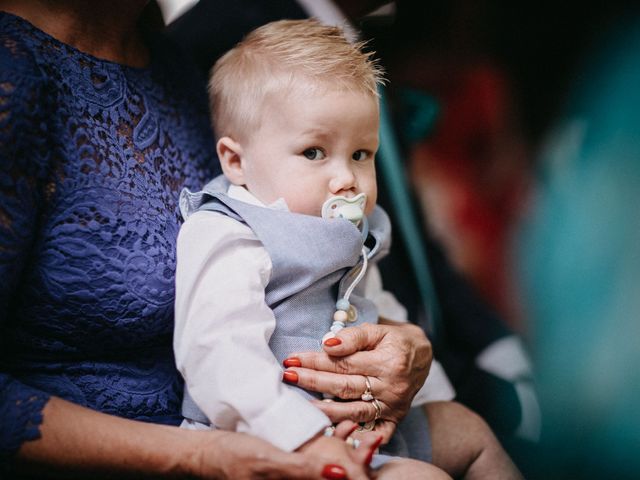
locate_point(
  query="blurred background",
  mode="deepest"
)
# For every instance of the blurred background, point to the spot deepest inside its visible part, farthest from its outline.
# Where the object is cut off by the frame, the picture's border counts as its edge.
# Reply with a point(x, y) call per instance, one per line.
point(519, 130)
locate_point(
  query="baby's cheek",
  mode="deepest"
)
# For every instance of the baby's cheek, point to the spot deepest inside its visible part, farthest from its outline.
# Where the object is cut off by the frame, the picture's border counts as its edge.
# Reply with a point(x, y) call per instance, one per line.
point(372, 198)
point(305, 204)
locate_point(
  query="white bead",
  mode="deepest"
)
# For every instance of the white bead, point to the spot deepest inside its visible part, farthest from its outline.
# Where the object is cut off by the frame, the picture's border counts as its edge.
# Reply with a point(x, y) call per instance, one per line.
point(340, 316)
point(352, 314)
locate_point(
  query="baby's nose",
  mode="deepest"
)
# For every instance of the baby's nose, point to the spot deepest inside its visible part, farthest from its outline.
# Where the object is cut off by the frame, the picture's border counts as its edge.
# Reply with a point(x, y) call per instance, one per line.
point(343, 180)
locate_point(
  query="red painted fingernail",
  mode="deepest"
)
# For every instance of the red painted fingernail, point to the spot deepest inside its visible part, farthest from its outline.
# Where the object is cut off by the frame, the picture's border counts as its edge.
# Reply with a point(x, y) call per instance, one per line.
point(290, 377)
point(374, 447)
point(353, 429)
point(334, 472)
point(332, 342)
point(292, 362)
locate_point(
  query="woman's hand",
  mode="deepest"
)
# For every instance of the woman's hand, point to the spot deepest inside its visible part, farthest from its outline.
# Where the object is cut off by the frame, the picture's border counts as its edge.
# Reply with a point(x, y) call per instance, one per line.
point(395, 356)
point(336, 450)
point(239, 456)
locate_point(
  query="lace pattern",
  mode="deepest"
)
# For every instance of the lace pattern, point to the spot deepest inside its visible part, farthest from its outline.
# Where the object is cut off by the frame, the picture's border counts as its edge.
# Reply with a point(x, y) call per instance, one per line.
point(93, 156)
point(25, 415)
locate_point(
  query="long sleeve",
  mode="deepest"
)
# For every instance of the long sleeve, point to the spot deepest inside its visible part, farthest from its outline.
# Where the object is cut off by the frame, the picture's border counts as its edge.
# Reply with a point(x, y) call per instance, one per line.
point(23, 165)
point(223, 326)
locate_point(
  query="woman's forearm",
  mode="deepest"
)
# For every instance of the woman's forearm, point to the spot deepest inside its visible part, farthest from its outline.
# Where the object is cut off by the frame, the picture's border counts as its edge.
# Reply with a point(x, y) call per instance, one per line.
point(76, 441)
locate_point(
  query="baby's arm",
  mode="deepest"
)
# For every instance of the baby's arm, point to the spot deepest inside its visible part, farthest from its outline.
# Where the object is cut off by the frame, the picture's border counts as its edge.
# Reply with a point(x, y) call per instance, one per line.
point(223, 326)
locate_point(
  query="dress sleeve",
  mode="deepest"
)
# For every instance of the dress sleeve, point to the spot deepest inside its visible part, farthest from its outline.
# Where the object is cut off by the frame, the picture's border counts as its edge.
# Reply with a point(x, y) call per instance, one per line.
point(23, 165)
point(223, 326)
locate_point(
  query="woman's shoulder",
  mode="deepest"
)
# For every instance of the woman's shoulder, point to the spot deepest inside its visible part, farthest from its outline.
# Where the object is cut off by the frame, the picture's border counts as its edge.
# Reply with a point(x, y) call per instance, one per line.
point(24, 103)
point(24, 92)
point(19, 44)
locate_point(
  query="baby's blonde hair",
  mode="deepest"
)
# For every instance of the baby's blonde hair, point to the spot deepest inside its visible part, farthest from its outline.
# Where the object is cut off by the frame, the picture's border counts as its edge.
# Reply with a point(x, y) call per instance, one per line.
point(279, 56)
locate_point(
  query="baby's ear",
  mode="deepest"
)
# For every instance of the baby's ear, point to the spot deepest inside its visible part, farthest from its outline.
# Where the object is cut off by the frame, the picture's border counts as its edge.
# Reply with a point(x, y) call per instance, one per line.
point(230, 154)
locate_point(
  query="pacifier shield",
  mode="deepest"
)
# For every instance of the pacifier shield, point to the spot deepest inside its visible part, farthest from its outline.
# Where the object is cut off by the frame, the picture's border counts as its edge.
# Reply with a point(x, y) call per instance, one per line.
point(342, 207)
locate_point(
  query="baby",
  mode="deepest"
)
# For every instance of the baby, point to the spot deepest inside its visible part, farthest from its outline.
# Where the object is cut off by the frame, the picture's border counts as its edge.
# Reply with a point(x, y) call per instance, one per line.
point(277, 255)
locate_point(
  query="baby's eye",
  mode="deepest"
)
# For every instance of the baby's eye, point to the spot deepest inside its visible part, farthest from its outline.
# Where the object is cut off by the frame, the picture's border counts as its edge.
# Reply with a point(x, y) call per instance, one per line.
point(360, 155)
point(314, 153)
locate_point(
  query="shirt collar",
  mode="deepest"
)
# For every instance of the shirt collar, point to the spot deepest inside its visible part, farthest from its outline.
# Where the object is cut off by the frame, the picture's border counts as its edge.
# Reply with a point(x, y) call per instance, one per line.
point(240, 193)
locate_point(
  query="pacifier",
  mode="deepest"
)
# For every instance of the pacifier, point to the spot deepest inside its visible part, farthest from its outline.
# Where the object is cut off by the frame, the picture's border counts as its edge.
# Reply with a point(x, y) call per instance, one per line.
point(342, 207)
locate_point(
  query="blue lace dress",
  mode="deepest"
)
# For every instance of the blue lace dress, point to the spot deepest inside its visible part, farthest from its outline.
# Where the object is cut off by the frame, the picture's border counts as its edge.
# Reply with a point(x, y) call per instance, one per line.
point(93, 156)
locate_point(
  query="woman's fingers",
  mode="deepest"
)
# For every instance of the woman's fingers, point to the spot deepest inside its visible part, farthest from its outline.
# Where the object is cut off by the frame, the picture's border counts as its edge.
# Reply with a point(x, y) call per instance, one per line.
point(362, 363)
point(303, 467)
point(385, 428)
point(295, 466)
point(244, 457)
point(386, 352)
point(352, 387)
point(355, 339)
point(344, 429)
point(345, 387)
point(357, 411)
point(343, 353)
point(368, 447)
point(331, 471)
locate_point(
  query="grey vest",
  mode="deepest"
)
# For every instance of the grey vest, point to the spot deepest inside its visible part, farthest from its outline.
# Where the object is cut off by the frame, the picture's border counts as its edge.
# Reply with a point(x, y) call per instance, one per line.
point(313, 262)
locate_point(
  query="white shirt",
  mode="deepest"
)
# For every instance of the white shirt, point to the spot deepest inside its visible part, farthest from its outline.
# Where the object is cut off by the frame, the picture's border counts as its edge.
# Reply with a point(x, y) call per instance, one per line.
point(221, 340)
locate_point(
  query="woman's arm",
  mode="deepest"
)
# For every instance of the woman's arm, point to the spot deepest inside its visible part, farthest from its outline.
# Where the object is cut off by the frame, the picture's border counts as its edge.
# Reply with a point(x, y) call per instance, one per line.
point(78, 441)
point(24, 166)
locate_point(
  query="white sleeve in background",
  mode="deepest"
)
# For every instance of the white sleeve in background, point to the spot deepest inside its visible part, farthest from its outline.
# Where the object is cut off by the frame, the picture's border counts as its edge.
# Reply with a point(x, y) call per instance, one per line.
point(327, 12)
point(507, 358)
point(437, 387)
point(222, 330)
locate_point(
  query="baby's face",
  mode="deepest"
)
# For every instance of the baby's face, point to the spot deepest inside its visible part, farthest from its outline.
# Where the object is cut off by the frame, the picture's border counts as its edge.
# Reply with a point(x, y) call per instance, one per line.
point(311, 148)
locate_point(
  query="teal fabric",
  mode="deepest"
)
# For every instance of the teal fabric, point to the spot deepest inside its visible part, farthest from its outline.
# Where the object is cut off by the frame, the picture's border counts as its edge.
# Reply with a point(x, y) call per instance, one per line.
point(580, 266)
point(393, 174)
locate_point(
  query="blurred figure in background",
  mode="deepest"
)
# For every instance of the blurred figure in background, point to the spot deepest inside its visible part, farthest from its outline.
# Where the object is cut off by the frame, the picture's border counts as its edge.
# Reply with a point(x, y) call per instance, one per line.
point(580, 268)
point(459, 123)
point(469, 167)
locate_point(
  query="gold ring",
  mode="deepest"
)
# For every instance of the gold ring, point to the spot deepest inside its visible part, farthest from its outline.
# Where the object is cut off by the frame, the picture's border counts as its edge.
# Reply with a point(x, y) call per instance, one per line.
point(367, 396)
point(370, 425)
point(366, 427)
point(378, 407)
